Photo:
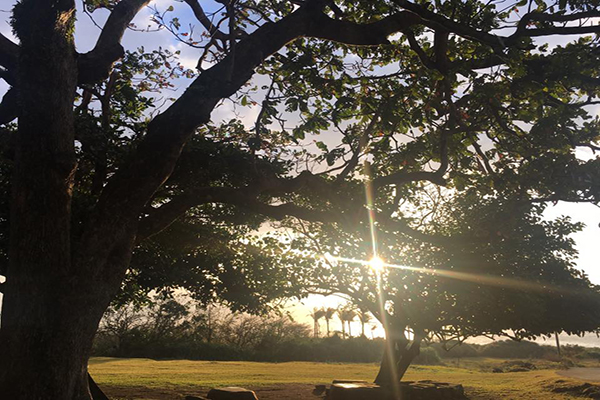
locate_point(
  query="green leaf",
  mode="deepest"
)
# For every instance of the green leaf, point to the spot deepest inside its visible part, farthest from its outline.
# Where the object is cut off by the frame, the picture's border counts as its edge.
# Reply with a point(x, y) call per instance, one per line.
point(322, 146)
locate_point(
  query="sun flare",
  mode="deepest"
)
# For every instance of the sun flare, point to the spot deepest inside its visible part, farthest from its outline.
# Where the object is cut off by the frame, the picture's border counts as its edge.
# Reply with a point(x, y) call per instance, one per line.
point(376, 264)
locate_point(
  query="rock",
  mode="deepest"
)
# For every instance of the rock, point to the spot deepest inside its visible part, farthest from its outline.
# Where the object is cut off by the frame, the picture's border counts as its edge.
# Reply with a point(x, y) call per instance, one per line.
point(357, 391)
point(319, 390)
point(430, 390)
point(421, 390)
point(231, 393)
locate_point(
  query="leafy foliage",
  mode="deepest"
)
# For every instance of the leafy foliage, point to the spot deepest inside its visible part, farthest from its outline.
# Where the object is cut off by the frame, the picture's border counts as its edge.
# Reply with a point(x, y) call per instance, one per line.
point(459, 134)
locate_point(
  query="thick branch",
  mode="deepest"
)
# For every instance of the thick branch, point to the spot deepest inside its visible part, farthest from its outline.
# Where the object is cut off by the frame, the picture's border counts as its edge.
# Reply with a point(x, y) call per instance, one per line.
point(375, 33)
point(246, 197)
point(542, 17)
point(402, 177)
point(437, 22)
point(554, 30)
point(8, 106)
point(96, 65)
point(9, 53)
point(162, 217)
point(285, 210)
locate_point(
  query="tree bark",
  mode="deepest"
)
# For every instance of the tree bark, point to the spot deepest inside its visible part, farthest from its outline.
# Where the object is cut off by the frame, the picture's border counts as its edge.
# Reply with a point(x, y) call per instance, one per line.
point(387, 366)
point(47, 338)
point(51, 307)
point(398, 355)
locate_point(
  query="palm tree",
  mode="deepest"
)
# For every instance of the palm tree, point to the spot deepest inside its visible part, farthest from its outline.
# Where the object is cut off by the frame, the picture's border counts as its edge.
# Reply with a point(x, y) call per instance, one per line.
point(346, 314)
point(316, 315)
point(328, 314)
point(365, 317)
point(340, 314)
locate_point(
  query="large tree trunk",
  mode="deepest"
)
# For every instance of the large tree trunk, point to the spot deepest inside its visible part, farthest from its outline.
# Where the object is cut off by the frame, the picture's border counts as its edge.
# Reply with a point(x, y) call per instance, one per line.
point(398, 355)
point(46, 340)
point(51, 307)
point(387, 367)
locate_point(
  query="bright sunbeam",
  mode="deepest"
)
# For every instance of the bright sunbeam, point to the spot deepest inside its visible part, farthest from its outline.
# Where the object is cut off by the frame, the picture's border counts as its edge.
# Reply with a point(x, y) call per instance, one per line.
point(376, 264)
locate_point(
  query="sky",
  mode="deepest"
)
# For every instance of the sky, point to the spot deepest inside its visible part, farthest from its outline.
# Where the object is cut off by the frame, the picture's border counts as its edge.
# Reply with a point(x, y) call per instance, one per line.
point(587, 241)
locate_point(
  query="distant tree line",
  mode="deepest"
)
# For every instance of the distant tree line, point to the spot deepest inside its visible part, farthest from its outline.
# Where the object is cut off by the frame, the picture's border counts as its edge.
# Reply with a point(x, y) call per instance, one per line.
point(170, 328)
point(182, 329)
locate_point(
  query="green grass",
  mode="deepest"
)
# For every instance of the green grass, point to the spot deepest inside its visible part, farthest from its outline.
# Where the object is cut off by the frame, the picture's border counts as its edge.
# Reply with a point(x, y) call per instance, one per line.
point(182, 374)
point(158, 374)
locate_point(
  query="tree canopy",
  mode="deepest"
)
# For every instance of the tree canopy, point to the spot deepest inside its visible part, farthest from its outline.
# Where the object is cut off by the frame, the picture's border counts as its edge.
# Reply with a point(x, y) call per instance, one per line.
point(461, 119)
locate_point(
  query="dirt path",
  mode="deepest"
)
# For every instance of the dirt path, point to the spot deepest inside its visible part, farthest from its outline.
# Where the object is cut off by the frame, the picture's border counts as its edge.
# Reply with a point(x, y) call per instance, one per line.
point(585, 374)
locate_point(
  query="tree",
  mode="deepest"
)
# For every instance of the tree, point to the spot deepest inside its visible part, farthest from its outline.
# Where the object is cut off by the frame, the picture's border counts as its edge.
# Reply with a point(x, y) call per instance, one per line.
point(120, 324)
point(316, 315)
point(88, 190)
point(520, 283)
point(328, 314)
point(365, 317)
point(179, 327)
point(205, 325)
point(346, 315)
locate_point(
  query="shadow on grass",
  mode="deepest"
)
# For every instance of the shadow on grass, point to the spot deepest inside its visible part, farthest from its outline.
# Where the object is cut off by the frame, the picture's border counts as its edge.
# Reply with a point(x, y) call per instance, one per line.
point(103, 360)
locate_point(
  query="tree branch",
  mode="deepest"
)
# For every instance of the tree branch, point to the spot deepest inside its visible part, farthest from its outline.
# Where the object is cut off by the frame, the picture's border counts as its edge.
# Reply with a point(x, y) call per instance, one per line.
point(414, 45)
point(285, 210)
point(404, 177)
point(9, 53)
point(437, 22)
point(375, 33)
point(542, 17)
point(129, 190)
point(213, 31)
point(162, 217)
point(554, 30)
point(363, 141)
point(9, 107)
point(95, 65)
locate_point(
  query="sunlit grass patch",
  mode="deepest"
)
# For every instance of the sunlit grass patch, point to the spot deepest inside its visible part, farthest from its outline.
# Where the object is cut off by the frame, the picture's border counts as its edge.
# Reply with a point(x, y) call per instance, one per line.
point(177, 375)
point(151, 373)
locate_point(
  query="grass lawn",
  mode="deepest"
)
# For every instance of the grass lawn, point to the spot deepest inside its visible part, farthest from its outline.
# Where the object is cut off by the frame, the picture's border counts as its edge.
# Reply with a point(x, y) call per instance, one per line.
point(169, 379)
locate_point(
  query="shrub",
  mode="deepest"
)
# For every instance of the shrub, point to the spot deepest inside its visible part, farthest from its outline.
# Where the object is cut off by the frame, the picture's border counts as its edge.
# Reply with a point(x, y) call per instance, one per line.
point(456, 350)
point(512, 349)
point(428, 356)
